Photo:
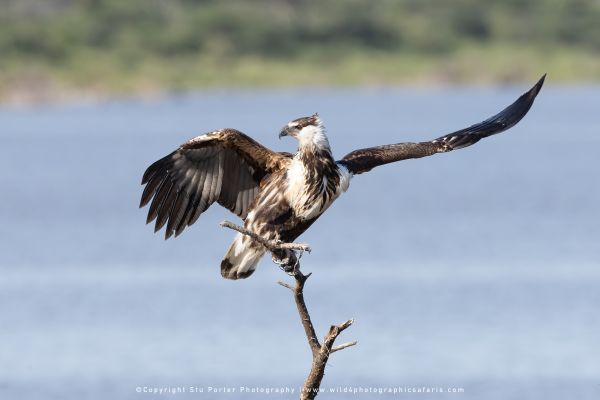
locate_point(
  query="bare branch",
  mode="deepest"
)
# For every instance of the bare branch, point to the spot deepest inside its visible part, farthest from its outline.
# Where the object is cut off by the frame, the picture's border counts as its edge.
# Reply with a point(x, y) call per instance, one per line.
point(269, 244)
point(285, 285)
point(305, 319)
point(320, 352)
point(346, 324)
point(343, 346)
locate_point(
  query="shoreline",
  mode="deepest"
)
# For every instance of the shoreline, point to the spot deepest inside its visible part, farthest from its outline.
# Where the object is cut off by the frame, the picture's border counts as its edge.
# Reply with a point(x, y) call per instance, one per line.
point(97, 79)
point(23, 99)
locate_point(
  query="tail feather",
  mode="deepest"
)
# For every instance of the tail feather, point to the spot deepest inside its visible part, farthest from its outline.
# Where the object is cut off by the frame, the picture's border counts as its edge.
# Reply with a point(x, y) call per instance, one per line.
point(241, 258)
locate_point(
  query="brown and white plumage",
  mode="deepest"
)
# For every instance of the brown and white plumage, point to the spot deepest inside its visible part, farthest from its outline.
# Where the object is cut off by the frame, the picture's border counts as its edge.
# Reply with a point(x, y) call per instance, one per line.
point(279, 195)
point(185, 183)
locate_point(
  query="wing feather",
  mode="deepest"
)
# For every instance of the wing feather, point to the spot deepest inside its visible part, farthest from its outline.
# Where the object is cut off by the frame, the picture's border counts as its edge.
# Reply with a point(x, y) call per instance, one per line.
point(210, 185)
point(364, 160)
point(177, 212)
point(224, 166)
point(184, 219)
point(150, 190)
point(165, 207)
point(160, 195)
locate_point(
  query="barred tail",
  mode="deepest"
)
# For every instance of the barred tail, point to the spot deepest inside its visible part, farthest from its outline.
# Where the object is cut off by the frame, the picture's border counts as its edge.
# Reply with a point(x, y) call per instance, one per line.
point(241, 258)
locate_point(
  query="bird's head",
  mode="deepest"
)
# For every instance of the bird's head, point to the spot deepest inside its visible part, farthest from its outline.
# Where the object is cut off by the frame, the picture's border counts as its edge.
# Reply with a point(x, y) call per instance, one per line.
point(308, 130)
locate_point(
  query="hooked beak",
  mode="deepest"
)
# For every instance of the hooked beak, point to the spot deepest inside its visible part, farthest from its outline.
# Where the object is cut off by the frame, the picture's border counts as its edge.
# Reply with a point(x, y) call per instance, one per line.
point(284, 132)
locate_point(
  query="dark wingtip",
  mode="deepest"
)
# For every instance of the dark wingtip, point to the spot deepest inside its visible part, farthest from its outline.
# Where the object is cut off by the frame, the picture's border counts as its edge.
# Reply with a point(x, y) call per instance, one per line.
point(536, 88)
point(179, 230)
point(147, 174)
point(516, 111)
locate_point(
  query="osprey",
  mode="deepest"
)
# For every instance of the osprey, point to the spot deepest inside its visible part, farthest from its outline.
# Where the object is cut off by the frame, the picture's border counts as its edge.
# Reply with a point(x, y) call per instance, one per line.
point(279, 195)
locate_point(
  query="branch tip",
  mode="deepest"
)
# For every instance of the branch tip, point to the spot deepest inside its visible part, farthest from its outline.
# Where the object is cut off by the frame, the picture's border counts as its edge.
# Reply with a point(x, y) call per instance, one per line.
point(345, 325)
point(343, 346)
point(285, 285)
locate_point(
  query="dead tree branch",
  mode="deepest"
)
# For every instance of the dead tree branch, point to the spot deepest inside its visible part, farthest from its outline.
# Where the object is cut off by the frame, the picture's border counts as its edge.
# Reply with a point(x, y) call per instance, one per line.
point(320, 351)
point(311, 335)
point(269, 244)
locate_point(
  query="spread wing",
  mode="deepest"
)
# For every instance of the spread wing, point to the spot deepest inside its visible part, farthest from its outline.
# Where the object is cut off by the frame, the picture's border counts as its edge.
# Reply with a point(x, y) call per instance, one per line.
point(364, 160)
point(225, 166)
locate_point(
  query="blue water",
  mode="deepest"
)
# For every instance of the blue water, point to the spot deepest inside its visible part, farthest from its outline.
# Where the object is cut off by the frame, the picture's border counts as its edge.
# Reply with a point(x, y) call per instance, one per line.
point(478, 269)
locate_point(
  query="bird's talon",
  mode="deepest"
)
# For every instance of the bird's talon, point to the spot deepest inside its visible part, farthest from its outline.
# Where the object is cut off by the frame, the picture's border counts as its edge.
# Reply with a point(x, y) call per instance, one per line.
point(288, 269)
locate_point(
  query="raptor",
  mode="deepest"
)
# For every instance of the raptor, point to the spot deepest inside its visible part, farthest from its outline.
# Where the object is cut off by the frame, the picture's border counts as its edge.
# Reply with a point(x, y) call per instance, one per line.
point(280, 195)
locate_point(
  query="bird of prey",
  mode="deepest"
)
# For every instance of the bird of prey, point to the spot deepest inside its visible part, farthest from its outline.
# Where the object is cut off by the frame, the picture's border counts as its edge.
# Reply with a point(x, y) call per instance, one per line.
point(279, 195)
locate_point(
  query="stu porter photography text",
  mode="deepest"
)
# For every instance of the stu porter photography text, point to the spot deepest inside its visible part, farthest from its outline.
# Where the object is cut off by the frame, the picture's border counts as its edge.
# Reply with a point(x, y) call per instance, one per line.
point(267, 390)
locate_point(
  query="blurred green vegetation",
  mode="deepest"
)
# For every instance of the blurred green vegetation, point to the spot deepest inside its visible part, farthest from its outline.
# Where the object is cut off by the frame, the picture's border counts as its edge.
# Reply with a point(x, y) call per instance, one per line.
point(153, 45)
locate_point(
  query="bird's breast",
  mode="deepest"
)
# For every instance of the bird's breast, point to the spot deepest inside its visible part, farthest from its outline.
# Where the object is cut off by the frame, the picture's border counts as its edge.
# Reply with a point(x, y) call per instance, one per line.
point(310, 189)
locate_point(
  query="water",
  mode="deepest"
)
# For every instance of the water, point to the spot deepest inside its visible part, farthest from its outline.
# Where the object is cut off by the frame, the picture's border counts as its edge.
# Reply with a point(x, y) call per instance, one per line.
point(477, 269)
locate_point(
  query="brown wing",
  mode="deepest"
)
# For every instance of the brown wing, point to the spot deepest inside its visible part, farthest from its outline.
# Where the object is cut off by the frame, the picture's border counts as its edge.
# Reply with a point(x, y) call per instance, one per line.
point(364, 160)
point(225, 166)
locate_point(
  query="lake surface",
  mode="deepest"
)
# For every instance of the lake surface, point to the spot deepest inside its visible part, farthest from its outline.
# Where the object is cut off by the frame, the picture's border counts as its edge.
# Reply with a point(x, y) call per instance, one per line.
point(478, 269)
